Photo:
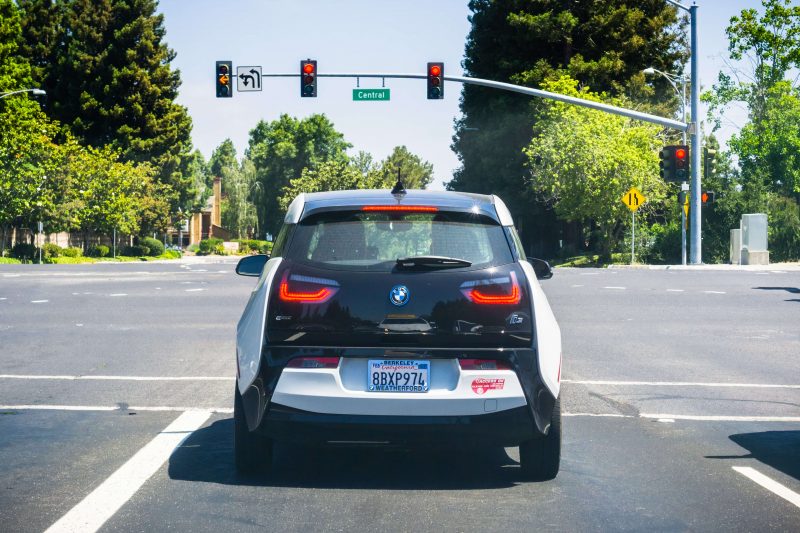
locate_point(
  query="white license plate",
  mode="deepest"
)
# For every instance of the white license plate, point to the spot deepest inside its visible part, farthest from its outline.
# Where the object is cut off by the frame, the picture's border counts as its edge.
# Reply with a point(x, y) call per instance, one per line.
point(397, 375)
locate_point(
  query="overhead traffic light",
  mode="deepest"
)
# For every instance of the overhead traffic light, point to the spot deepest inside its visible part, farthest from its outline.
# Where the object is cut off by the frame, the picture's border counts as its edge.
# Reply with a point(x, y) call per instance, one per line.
point(707, 197)
point(674, 163)
point(224, 79)
point(709, 162)
point(308, 78)
point(435, 81)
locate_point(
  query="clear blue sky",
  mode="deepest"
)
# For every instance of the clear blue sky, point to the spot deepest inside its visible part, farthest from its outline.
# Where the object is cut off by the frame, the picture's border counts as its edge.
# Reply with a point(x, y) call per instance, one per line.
point(347, 36)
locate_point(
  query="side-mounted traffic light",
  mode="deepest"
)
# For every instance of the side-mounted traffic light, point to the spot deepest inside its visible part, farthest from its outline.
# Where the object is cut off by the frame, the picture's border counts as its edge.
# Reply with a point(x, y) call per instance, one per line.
point(674, 163)
point(435, 81)
point(224, 79)
point(308, 78)
point(683, 196)
point(707, 197)
point(709, 162)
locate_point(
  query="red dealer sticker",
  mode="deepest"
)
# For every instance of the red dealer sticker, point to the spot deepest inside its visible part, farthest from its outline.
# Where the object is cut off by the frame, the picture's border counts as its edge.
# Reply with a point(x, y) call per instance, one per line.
point(481, 385)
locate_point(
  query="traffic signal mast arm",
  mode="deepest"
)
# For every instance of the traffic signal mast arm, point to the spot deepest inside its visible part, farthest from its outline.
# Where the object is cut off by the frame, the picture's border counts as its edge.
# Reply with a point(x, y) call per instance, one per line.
point(630, 113)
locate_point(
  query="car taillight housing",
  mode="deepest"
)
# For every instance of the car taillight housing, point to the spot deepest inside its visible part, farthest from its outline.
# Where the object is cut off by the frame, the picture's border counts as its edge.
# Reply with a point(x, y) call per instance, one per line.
point(483, 364)
point(306, 290)
point(496, 291)
point(313, 362)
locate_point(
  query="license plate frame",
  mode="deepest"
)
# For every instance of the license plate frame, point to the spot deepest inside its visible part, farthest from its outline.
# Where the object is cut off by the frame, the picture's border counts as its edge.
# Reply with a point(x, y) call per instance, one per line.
point(391, 375)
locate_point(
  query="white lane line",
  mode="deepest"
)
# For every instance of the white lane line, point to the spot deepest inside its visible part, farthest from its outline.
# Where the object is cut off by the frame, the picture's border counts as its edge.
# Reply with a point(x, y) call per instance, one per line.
point(770, 484)
point(723, 418)
point(39, 301)
point(118, 294)
point(600, 415)
point(194, 290)
point(117, 378)
point(3, 298)
point(104, 501)
point(577, 285)
point(222, 271)
point(615, 288)
point(714, 292)
point(156, 408)
point(11, 275)
point(679, 384)
point(674, 290)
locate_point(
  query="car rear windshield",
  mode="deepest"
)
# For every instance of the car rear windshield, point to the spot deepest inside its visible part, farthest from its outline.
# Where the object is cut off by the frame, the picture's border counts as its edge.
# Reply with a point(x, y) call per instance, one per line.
point(357, 240)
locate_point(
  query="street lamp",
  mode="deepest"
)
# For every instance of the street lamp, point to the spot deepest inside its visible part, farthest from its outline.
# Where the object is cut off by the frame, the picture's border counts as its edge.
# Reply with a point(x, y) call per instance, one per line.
point(673, 80)
point(36, 92)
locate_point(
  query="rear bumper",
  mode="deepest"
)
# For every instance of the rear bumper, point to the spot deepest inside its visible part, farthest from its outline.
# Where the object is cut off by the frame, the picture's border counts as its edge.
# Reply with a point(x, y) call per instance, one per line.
point(504, 428)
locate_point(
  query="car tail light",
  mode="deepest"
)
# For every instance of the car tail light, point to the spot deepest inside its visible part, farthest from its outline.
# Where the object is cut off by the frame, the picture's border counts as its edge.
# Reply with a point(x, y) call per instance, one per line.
point(314, 362)
point(476, 291)
point(401, 208)
point(322, 291)
point(483, 364)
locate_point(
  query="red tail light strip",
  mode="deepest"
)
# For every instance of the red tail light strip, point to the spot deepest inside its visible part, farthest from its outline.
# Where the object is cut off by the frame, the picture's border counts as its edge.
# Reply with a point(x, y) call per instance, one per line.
point(317, 297)
point(401, 208)
point(479, 297)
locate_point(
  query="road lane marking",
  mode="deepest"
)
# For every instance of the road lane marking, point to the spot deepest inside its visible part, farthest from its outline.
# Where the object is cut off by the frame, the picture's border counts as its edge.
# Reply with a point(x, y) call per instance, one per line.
point(615, 288)
point(723, 418)
point(577, 285)
point(3, 298)
point(674, 290)
point(679, 384)
point(117, 378)
point(118, 294)
point(714, 292)
point(194, 290)
point(156, 408)
point(770, 484)
point(39, 301)
point(599, 415)
point(104, 501)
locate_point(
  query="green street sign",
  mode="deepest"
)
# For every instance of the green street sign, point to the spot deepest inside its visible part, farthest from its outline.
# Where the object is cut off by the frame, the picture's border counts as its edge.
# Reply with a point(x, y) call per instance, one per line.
point(370, 95)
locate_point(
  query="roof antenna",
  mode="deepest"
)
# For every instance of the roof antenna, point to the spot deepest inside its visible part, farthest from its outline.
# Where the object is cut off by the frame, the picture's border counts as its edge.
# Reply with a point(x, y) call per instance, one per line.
point(399, 188)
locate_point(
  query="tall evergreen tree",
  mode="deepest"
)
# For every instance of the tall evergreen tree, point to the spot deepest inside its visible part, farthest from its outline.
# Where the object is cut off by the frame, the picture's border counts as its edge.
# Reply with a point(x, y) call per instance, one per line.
point(43, 34)
point(112, 83)
point(604, 45)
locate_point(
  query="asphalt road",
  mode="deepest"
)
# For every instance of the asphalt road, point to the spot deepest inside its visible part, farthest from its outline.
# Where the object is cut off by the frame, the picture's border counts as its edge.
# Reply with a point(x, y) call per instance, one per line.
point(682, 390)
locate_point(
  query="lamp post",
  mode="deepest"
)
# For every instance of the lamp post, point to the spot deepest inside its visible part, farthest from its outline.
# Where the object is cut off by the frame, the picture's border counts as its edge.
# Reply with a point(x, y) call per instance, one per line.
point(36, 92)
point(673, 80)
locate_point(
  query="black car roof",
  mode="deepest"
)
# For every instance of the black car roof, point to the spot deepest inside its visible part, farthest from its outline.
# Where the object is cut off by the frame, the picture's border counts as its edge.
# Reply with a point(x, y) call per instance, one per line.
point(308, 203)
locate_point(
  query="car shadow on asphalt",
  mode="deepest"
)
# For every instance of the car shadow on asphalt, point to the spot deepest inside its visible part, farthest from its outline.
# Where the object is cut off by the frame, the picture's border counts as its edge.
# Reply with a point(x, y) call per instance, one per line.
point(790, 290)
point(778, 449)
point(207, 456)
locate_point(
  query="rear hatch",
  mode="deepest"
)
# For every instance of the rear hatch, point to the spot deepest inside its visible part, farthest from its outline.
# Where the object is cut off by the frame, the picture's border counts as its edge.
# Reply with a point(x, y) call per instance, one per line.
point(399, 278)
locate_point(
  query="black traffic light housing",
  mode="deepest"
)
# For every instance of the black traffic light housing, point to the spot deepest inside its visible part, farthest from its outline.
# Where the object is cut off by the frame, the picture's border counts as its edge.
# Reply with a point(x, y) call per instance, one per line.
point(682, 196)
point(709, 162)
point(224, 79)
point(674, 162)
point(435, 81)
point(707, 197)
point(308, 78)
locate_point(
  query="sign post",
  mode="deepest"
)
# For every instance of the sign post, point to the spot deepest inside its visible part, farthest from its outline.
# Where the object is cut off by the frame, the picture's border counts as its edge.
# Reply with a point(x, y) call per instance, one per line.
point(633, 199)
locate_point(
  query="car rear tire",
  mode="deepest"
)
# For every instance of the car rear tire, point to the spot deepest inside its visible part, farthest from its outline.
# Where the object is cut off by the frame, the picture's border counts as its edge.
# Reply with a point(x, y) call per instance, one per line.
point(252, 452)
point(540, 458)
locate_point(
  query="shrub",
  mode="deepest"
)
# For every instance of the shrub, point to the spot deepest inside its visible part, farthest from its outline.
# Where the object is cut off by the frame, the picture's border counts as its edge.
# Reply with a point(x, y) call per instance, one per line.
point(71, 252)
point(211, 246)
point(50, 250)
point(247, 246)
point(194, 248)
point(23, 250)
point(134, 251)
point(154, 246)
point(99, 250)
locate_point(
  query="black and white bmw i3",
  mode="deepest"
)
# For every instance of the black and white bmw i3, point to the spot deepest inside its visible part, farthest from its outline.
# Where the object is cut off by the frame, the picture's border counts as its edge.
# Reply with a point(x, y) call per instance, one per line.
point(409, 318)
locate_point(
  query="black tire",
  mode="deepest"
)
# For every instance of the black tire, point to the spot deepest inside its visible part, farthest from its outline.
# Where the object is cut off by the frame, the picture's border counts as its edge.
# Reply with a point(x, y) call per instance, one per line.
point(540, 458)
point(252, 452)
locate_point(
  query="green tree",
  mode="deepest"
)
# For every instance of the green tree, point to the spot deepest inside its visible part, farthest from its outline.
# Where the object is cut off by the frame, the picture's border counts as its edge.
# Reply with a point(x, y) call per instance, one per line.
point(585, 160)
point(42, 44)
point(415, 173)
point(604, 45)
point(281, 149)
point(223, 156)
point(238, 211)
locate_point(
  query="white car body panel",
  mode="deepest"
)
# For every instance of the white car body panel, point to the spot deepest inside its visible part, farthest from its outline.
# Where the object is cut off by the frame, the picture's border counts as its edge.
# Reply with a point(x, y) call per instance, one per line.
point(344, 391)
point(548, 334)
point(250, 330)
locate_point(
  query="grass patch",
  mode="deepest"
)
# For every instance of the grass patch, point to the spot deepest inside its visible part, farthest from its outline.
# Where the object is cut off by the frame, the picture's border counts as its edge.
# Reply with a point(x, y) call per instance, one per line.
point(9, 261)
point(591, 261)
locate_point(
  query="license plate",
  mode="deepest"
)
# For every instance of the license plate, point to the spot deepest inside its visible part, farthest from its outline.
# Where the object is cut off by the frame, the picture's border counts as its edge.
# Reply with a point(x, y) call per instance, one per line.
point(398, 375)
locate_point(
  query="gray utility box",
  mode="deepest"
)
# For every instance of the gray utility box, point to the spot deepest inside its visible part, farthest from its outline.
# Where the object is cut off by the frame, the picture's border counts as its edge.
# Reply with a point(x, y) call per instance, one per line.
point(736, 247)
point(754, 239)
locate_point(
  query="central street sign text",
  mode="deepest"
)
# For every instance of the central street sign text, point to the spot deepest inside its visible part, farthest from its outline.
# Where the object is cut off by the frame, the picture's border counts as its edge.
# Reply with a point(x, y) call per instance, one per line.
point(360, 95)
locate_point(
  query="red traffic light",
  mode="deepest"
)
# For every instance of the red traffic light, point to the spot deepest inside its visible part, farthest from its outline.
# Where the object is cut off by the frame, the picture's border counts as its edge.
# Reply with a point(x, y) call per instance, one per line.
point(436, 70)
point(704, 197)
point(308, 68)
point(680, 153)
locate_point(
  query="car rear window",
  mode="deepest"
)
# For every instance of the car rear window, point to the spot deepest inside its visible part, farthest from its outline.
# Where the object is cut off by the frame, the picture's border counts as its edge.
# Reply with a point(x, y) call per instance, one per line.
point(375, 240)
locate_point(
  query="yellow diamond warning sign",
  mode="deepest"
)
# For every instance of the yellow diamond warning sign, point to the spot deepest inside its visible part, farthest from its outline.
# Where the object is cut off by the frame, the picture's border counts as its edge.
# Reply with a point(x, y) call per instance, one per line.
point(633, 199)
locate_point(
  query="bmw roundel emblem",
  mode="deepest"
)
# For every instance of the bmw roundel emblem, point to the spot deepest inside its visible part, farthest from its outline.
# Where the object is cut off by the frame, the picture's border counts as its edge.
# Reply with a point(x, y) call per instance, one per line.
point(399, 295)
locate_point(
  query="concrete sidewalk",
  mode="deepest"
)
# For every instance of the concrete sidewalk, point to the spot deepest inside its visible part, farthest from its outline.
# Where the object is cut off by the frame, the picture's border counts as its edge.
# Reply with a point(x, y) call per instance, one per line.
point(786, 267)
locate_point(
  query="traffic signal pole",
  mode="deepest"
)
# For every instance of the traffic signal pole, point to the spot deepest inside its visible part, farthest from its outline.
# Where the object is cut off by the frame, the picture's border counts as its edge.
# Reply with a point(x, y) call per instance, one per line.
point(696, 250)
